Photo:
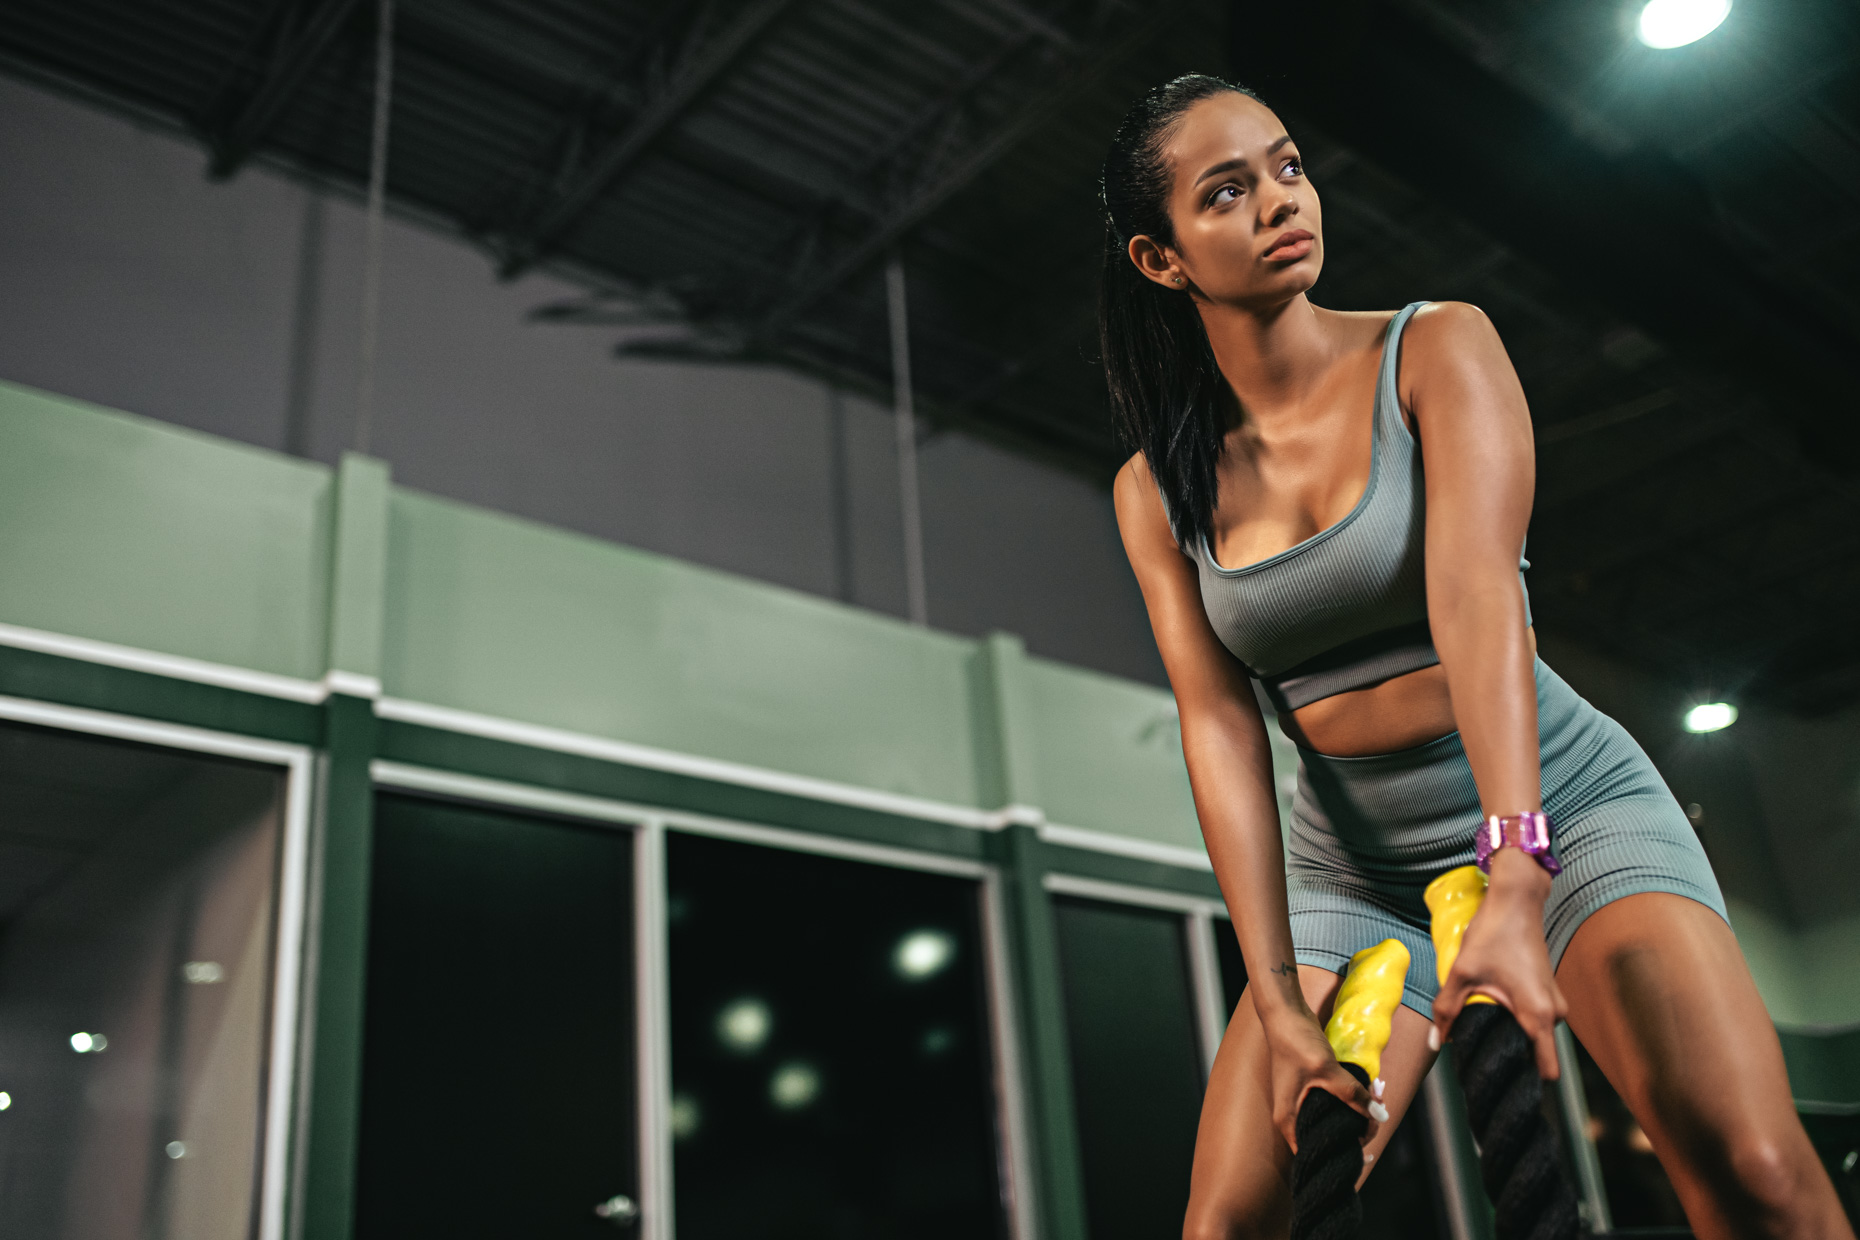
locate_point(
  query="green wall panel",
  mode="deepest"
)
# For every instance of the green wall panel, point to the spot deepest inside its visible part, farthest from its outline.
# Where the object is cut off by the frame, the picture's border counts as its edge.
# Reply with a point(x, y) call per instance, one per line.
point(493, 614)
point(123, 530)
point(1108, 755)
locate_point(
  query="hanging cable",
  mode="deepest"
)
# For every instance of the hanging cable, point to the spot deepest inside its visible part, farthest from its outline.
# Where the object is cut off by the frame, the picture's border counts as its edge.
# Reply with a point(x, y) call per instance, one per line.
point(371, 245)
point(919, 605)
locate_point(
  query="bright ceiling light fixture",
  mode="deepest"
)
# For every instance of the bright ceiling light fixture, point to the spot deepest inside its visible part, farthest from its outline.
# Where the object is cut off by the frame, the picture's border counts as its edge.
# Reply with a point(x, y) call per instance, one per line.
point(1711, 717)
point(1675, 23)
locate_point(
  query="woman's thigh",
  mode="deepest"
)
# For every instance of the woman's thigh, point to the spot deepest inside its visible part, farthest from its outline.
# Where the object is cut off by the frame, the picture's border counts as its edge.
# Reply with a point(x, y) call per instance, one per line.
point(1240, 1186)
point(1659, 994)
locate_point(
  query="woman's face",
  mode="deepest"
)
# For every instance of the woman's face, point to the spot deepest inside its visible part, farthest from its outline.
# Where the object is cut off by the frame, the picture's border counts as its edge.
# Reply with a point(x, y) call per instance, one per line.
point(1248, 227)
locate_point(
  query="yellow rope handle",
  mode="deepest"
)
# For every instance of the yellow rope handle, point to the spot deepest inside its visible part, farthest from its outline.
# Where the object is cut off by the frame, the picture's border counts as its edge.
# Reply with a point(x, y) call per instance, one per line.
point(1365, 1009)
point(1452, 899)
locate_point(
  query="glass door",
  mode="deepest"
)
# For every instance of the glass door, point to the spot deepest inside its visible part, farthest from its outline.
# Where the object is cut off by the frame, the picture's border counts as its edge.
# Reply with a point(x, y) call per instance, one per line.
point(498, 1086)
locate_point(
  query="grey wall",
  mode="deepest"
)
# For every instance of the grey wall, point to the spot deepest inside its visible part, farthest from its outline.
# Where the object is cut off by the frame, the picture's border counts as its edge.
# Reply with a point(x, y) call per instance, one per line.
point(133, 282)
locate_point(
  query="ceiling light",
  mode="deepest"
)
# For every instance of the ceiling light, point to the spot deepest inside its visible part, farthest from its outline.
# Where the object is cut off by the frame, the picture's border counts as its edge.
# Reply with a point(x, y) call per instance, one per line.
point(1711, 717)
point(89, 1043)
point(1675, 23)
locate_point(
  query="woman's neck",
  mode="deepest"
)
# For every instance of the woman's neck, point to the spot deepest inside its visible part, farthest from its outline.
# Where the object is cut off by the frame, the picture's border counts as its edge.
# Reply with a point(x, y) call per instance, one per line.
point(1271, 357)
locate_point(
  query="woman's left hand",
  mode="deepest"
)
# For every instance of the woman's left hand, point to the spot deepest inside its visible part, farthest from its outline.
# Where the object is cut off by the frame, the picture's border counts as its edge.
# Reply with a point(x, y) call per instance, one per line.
point(1504, 957)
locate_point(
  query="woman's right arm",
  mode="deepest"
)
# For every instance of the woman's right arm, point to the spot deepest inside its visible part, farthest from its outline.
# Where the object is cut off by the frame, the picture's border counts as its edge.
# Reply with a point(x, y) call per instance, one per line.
point(1230, 772)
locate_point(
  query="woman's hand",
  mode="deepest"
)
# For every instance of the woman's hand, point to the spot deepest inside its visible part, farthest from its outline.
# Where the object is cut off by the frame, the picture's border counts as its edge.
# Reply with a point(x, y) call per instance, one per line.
point(1503, 956)
point(1301, 1062)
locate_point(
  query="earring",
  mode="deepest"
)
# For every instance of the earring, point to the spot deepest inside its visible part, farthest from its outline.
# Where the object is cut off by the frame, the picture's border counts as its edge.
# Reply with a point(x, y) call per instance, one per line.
point(1178, 279)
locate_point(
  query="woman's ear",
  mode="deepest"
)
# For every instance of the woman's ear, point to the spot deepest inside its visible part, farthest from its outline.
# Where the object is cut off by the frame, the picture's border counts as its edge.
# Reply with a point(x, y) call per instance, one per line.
point(1156, 263)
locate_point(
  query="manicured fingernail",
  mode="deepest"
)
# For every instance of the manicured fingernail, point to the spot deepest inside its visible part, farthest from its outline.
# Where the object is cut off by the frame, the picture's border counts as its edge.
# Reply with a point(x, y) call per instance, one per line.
point(1433, 1037)
point(1378, 1112)
point(1368, 1158)
point(1377, 1086)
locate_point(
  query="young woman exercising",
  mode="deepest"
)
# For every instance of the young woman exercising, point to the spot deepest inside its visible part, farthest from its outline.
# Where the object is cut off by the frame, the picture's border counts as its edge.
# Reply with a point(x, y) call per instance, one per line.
point(1335, 504)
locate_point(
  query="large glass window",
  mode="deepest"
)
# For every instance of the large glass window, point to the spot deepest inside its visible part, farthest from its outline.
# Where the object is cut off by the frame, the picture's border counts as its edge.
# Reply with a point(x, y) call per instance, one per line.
point(498, 1071)
point(138, 910)
point(1136, 1064)
point(831, 1063)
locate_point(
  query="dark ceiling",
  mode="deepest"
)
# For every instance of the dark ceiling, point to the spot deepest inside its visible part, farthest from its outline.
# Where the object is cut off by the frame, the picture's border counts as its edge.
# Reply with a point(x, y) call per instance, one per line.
point(1668, 241)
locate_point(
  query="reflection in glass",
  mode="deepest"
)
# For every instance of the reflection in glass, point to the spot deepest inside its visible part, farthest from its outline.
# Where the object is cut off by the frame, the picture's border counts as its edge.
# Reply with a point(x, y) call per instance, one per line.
point(137, 1097)
point(923, 953)
point(743, 1026)
point(866, 1106)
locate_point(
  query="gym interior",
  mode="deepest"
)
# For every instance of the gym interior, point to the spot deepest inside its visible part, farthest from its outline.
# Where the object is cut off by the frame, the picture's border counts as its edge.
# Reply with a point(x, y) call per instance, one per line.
point(566, 662)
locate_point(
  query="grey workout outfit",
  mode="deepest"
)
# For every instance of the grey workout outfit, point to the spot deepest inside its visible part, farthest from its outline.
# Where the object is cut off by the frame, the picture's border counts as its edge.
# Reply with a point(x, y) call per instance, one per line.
point(1347, 608)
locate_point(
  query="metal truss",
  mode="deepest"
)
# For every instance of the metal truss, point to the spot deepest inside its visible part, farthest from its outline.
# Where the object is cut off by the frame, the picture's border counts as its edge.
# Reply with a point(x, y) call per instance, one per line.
point(698, 61)
point(292, 42)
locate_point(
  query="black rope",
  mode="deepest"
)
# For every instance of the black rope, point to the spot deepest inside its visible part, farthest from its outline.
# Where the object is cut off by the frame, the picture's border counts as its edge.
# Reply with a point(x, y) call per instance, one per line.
point(1325, 1168)
point(1517, 1149)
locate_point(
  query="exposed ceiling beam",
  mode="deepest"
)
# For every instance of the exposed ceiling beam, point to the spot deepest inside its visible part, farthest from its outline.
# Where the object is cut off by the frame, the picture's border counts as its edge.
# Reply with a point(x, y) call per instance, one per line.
point(297, 36)
point(940, 182)
point(662, 109)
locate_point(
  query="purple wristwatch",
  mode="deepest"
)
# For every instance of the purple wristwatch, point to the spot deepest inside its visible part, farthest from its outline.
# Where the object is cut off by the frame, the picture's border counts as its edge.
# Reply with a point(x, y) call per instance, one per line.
point(1529, 833)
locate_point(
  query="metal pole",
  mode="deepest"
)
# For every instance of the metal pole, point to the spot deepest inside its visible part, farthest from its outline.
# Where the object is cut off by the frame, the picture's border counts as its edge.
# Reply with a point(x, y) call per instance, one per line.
point(1469, 1214)
point(1575, 1108)
point(377, 203)
point(914, 592)
point(1204, 964)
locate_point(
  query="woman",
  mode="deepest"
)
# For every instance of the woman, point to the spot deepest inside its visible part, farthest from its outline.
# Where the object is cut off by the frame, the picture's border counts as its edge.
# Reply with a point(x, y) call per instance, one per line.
point(1336, 504)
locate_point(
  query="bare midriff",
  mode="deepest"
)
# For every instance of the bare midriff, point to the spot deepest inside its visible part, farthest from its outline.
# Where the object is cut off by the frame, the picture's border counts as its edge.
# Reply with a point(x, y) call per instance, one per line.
point(1391, 715)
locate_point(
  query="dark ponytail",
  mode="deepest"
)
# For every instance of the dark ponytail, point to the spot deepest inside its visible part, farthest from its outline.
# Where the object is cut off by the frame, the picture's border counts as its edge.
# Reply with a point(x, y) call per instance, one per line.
point(1167, 394)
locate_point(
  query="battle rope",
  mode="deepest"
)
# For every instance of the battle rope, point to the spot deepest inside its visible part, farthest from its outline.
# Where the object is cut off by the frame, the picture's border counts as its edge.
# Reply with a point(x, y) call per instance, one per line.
point(1504, 1097)
point(1330, 1133)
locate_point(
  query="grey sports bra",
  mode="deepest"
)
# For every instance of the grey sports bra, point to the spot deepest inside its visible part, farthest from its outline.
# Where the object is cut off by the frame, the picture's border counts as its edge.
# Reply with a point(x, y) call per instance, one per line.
point(1347, 607)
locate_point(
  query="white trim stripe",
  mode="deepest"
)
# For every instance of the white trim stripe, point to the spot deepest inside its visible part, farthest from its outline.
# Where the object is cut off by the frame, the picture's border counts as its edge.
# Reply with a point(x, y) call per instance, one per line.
point(1125, 846)
point(537, 736)
point(561, 740)
point(174, 666)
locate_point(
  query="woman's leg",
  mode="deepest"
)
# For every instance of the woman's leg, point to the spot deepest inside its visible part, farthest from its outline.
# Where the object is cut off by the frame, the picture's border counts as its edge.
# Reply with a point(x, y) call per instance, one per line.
point(1241, 1184)
point(1659, 994)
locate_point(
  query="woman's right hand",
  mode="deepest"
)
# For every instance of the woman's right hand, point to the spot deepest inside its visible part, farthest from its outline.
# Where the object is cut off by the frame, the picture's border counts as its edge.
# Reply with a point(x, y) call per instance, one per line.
point(1301, 1062)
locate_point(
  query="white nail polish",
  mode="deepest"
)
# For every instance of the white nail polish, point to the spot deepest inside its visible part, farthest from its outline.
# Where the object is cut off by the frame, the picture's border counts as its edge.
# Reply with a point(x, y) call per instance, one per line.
point(1368, 1158)
point(1378, 1112)
point(1376, 1087)
point(1433, 1037)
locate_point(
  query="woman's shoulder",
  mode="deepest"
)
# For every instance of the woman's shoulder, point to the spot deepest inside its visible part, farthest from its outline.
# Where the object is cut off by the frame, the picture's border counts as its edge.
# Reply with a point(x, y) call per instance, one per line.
point(1446, 323)
point(1139, 505)
point(1135, 484)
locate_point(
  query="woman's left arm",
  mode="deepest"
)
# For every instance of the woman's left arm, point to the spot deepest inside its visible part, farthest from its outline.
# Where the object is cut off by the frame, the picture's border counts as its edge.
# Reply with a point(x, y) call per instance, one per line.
point(1476, 445)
